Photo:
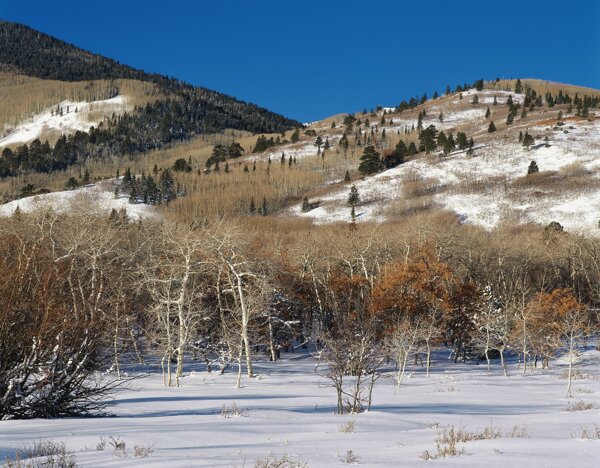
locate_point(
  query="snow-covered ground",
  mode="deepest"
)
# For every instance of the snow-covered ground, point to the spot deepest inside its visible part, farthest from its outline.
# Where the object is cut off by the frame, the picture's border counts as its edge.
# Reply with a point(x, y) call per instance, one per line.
point(95, 196)
point(577, 143)
point(88, 114)
point(289, 410)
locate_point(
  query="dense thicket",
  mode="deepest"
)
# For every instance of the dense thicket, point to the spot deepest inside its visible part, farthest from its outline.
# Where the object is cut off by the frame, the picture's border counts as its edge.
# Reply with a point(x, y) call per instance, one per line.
point(78, 291)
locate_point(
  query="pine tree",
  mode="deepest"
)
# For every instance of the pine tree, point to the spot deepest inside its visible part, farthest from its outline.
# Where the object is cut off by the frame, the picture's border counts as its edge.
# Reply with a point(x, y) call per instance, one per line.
point(510, 118)
point(353, 196)
point(319, 142)
point(475, 99)
point(461, 140)
point(492, 127)
point(442, 140)
point(441, 116)
point(488, 113)
point(518, 86)
point(263, 208)
point(528, 140)
point(86, 177)
point(427, 139)
point(295, 136)
point(520, 137)
point(495, 103)
point(533, 168)
point(252, 208)
point(347, 177)
point(305, 205)
point(370, 163)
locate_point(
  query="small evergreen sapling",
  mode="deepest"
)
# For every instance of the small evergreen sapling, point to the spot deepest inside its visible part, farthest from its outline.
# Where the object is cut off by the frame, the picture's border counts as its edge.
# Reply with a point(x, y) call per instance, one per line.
point(533, 168)
point(353, 196)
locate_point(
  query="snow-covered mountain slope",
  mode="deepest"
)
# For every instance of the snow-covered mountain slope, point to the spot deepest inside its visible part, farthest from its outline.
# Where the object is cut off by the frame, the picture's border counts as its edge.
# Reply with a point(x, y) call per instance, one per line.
point(98, 196)
point(487, 188)
point(75, 116)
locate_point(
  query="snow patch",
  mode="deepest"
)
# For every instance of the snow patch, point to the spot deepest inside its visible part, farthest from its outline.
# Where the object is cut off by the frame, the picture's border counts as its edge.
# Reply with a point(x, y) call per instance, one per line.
point(71, 121)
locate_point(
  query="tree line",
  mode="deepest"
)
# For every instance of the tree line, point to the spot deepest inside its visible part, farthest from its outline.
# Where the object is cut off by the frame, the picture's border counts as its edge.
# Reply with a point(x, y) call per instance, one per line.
point(79, 291)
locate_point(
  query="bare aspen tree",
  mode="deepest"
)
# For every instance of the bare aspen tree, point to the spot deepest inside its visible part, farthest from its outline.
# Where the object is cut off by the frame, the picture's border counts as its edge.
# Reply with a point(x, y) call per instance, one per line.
point(173, 277)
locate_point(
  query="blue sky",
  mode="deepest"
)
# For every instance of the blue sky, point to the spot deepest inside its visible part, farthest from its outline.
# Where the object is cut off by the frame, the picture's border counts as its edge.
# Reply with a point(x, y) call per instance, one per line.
point(310, 59)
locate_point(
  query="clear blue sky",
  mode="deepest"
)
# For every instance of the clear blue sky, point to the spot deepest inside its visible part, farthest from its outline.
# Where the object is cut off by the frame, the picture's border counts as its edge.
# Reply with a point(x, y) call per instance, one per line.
point(310, 59)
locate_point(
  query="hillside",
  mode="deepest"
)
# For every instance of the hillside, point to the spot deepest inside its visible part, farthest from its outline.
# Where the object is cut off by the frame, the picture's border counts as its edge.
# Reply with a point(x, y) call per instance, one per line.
point(487, 186)
point(175, 112)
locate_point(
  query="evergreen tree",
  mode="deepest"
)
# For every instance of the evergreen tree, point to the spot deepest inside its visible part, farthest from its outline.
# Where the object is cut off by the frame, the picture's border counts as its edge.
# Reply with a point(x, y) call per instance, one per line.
point(520, 137)
point(518, 86)
point(305, 205)
point(488, 113)
point(533, 168)
point(295, 136)
point(442, 139)
point(528, 140)
point(396, 157)
point(347, 177)
point(495, 103)
point(263, 207)
point(510, 118)
point(461, 140)
point(353, 196)
point(370, 161)
point(71, 184)
point(133, 194)
point(86, 177)
point(252, 208)
point(319, 142)
point(475, 99)
point(492, 127)
point(427, 139)
point(412, 149)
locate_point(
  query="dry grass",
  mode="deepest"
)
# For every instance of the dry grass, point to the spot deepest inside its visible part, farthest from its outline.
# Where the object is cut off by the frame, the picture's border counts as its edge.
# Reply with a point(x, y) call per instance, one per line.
point(580, 405)
point(447, 440)
point(283, 461)
point(592, 433)
point(348, 427)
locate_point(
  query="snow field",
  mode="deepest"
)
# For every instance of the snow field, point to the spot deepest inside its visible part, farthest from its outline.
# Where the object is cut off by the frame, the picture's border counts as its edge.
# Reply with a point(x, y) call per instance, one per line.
point(98, 196)
point(289, 409)
point(37, 125)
